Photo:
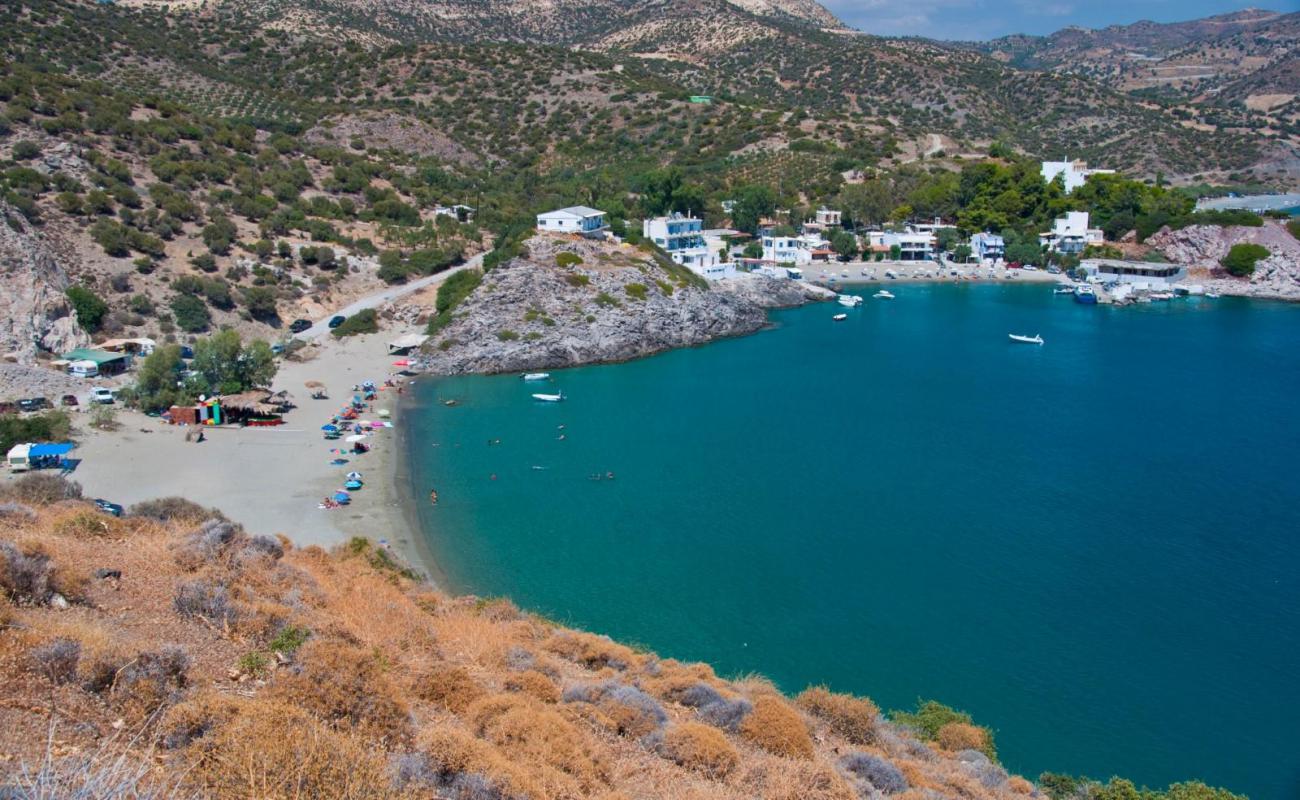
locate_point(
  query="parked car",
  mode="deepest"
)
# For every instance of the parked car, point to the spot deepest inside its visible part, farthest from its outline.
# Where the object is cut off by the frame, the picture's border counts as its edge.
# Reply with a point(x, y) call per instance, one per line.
point(299, 325)
point(1054, 270)
point(33, 404)
point(69, 400)
point(1013, 265)
point(109, 508)
point(337, 320)
point(277, 348)
point(187, 352)
point(1029, 268)
point(101, 395)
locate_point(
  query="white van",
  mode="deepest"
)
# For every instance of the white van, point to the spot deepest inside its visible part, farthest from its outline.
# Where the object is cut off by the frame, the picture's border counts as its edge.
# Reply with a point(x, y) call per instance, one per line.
point(83, 369)
point(19, 458)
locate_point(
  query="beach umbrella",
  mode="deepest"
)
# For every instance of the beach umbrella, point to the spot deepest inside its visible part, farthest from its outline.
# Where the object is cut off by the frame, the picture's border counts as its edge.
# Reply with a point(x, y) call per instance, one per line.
point(402, 363)
point(383, 412)
point(356, 437)
point(342, 497)
point(330, 427)
point(354, 476)
point(314, 385)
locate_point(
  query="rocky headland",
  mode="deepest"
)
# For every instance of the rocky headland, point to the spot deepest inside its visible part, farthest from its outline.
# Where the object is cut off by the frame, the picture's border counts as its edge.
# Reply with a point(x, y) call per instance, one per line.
point(35, 315)
point(568, 302)
point(1200, 247)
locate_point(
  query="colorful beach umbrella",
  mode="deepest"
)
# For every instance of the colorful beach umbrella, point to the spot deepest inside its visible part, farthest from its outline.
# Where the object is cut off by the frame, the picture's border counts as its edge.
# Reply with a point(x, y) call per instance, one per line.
point(354, 476)
point(329, 427)
point(356, 437)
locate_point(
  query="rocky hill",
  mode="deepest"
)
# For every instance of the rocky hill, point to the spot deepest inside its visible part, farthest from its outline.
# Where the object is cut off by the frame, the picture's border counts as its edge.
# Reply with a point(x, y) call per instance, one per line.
point(1200, 247)
point(567, 302)
point(171, 653)
point(35, 314)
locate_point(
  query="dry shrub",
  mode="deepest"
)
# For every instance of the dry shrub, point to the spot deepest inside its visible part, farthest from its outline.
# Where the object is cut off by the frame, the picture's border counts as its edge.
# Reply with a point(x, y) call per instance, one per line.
point(452, 754)
point(1019, 785)
point(531, 682)
point(139, 686)
point(206, 599)
point(90, 524)
point(448, 687)
point(777, 728)
point(346, 687)
point(959, 736)
point(275, 750)
point(527, 730)
point(700, 748)
point(174, 509)
point(796, 780)
point(591, 651)
point(625, 710)
point(17, 514)
point(854, 718)
point(28, 575)
point(193, 719)
point(875, 772)
point(57, 659)
point(225, 544)
point(42, 489)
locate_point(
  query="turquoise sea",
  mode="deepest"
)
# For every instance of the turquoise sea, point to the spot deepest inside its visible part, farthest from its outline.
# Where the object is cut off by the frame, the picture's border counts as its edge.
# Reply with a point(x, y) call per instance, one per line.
point(1093, 546)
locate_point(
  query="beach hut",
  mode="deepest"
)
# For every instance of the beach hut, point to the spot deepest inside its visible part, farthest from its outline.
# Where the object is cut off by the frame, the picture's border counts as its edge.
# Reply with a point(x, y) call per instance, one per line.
point(255, 407)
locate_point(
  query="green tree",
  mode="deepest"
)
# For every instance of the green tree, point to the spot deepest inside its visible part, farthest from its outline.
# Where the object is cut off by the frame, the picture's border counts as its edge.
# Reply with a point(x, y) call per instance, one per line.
point(156, 381)
point(228, 366)
point(752, 204)
point(1240, 260)
point(89, 307)
point(364, 321)
point(753, 249)
point(260, 302)
point(962, 253)
point(866, 203)
point(845, 245)
point(191, 313)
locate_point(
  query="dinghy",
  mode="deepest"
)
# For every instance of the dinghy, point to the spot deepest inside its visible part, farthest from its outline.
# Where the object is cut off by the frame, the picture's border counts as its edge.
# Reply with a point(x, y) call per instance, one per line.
point(549, 398)
point(883, 295)
point(1035, 339)
point(840, 317)
point(537, 376)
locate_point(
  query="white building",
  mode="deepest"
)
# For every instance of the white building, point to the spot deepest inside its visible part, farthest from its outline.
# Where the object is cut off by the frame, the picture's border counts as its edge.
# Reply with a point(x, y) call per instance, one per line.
point(460, 213)
point(988, 246)
point(682, 237)
point(1070, 234)
point(1076, 173)
point(582, 220)
point(912, 245)
point(1138, 274)
point(797, 250)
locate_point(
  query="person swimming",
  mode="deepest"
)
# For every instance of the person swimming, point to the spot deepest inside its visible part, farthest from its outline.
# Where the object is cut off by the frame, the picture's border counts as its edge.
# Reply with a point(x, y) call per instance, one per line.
point(433, 497)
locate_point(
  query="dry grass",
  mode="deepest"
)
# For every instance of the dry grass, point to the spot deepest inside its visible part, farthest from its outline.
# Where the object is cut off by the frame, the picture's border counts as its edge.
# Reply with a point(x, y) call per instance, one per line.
point(854, 718)
point(398, 690)
point(957, 736)
point(777, 728)
point(700, 748)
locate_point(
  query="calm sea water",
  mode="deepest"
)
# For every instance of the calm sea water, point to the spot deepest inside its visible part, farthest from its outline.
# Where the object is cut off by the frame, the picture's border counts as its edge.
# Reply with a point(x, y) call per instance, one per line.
point(1093, 546)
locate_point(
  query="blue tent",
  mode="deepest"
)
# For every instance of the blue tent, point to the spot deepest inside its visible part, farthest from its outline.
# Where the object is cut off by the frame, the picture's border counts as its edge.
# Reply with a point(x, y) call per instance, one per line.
point(329, 427)
point(60, 449)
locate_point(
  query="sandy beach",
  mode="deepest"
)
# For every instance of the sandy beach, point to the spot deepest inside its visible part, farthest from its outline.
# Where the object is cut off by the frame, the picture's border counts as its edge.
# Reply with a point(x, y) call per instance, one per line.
point(870, 272)
point(269, 479)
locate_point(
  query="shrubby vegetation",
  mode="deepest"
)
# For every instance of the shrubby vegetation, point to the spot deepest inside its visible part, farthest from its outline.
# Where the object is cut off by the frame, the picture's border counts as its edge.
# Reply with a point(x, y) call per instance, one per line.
point(1240, 260)
point(48, 426)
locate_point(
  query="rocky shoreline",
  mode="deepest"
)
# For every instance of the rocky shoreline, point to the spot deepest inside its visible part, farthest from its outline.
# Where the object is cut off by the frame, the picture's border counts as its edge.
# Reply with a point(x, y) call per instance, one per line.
point(567, 303)
point(1199, 248)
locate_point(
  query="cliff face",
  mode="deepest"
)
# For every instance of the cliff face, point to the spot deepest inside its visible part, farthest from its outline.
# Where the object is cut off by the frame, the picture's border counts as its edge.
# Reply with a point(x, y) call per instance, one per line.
point(34, 313)
point(1200, 247)
point(617, 304)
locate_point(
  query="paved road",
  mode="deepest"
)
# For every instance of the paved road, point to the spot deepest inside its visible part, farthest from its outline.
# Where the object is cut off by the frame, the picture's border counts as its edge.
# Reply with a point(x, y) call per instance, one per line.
point(321, 327)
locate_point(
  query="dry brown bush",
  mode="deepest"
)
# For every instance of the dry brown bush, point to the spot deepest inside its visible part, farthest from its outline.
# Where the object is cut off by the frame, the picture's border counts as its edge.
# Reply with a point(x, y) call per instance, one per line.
point(448, 687)
point(854, 718)
point(87, 523)
point(452, 752)
point(526, 729)
point(795, 780)
point(276, 750)
point(959, 736)
point(198, 716)
point(536, 684)
point(591, 651)
point(346, 687)
point(1019, 785)
point(777, 728)
point(699, 747)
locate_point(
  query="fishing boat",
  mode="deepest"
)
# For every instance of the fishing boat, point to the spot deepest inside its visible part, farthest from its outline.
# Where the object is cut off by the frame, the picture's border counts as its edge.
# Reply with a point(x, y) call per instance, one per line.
point(849, 300)
point(837, 318)
point(549, 398)
point(883, 295)
point(1162, 295)
point(1085, 294)
point(537, 376)
point(1212, 295)
point(1063, 290)
point(1035, 339)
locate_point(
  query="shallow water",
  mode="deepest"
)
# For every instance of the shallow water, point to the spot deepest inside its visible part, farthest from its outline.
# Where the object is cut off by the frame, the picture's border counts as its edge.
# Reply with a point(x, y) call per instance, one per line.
point(1092, 546)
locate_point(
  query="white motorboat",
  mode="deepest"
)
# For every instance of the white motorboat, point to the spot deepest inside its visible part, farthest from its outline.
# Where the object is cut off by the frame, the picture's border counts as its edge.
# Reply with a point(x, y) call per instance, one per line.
point(849, 300)
point(549, 398)
point(837, 318)
point(883, 295)
point(1063, 290)
point(537, 376)
point(1035, 339)
point(1212, 295)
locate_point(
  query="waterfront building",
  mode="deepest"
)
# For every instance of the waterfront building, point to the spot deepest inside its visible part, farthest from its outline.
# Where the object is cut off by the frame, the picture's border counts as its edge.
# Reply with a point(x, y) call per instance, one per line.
point(1138, 274)
point(682, 238)
point(1074, 173)
point(987, 246)
point(1070, 234)
point(589, 222)
point(796, 250)
point(913, 245)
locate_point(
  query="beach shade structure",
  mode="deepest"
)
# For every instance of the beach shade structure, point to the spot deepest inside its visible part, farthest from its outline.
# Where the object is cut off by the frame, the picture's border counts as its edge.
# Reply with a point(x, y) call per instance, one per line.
point(342, 497)
point(356, 437)
point(338, 462)
point(354, 476)
point(402, 362)
point(383, 412)
point(330, 428)
point(352, 485)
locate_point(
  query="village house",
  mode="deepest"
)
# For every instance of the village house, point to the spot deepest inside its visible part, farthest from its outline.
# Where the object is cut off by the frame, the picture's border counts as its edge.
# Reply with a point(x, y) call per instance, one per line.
point(682, 238)
point(796, 250)
point(1074, 173)
point(1070, 234)
point(913, 245)
point(987, 246)
point(589, 222)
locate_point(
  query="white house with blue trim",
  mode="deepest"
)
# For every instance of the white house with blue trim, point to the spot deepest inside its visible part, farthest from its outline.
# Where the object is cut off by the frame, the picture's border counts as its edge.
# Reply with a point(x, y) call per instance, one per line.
point(987, 246)
point(581, 220)
point(682, 238)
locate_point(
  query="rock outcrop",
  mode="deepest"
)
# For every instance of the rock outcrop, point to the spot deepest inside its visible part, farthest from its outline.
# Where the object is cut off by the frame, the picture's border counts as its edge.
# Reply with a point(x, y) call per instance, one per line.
point(617, 304)
point(34, 312)
point(1199, 248)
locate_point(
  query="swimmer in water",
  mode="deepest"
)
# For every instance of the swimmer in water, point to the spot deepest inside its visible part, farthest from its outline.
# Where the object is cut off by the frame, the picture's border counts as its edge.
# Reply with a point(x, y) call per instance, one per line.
point(433, 498)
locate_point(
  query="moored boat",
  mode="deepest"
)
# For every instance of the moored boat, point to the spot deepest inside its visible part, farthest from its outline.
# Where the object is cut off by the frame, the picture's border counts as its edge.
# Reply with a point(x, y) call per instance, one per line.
point(837, 318)
point(1085, 294)
point(1063, 290)
point(537, 376)
point(883, 295)
point(549, 398)
point(849, 300)
point(1035, 339)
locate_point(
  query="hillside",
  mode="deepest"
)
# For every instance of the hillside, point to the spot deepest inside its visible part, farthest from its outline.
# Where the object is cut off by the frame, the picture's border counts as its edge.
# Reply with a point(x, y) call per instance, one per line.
point(171, 653)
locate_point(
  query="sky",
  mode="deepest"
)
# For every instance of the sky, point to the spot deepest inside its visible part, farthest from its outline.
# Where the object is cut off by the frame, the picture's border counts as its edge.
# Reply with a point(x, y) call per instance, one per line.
point(987, 19)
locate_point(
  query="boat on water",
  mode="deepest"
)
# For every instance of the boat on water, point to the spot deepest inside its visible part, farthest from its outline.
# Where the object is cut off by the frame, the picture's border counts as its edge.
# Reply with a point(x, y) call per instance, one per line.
point(837, 318)
point(849, 300)
point(1213, 295)
point(549, 398)
point(1085, 294)
point(1063, 290)
point(1162, 295)
point(883, 295)
point(537, 376)
point(1035, 339)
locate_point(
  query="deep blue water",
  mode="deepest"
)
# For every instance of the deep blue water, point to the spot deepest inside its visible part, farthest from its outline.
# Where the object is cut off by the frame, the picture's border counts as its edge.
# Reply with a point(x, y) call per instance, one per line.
point(1092, 546)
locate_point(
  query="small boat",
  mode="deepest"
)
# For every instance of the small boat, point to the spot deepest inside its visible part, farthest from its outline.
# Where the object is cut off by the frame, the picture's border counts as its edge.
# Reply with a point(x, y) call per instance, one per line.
point(840, 317)
point(1085, 294)
point(549, 398)
point(1162, 295)
point(537, 376)
point(849, 300)
point(883, 295)
point(1213, 295)
point(1063, 290)
point(1035, 339)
